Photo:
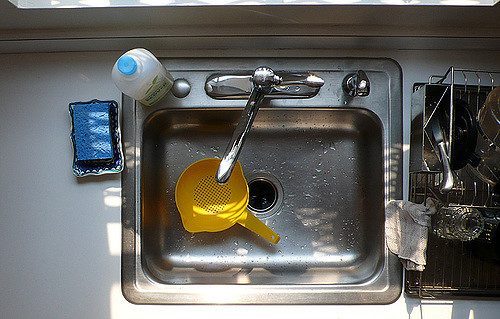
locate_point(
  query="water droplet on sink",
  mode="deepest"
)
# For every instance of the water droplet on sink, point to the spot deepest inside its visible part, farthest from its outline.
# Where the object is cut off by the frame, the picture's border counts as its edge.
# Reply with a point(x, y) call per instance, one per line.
point(241, 251)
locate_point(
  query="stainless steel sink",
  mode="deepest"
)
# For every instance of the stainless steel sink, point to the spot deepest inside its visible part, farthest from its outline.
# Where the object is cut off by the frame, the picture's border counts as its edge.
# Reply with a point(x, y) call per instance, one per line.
point(325, 168)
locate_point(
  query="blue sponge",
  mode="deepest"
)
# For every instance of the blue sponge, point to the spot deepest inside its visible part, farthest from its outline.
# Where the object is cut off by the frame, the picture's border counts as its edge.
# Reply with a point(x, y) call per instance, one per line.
point(92, 133)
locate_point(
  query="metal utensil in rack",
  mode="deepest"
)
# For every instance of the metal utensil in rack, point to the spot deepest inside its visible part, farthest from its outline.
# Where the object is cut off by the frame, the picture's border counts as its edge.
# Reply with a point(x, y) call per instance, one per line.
point(438, 140)
point(453, 269)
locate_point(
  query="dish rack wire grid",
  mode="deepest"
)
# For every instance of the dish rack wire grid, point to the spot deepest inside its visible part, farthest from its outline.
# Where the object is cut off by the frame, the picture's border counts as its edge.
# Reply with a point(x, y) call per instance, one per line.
point(452, 269)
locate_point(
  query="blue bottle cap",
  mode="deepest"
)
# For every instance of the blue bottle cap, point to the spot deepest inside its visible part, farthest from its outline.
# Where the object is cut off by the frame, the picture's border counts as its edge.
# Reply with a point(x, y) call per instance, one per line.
point(127, 65)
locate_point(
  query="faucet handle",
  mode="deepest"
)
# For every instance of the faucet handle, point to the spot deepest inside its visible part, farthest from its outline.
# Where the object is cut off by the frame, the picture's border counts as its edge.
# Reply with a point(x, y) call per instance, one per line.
point(356, 84)
point(307, 79)
point(264, 79)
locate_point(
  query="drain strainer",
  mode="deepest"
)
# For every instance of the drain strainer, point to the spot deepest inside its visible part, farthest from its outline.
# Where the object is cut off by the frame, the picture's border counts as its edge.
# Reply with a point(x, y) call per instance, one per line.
point(265, 194)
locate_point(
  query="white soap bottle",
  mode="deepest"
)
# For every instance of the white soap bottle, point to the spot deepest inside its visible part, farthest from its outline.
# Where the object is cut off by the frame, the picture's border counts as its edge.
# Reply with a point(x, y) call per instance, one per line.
point(139, 74)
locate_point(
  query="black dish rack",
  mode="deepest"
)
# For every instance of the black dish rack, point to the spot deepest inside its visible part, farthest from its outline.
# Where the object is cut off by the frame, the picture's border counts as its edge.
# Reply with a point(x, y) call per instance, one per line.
point(454, 269)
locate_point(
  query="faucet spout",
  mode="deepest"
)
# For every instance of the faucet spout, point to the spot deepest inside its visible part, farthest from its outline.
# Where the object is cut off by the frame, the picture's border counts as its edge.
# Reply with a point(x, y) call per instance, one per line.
point(263, 80)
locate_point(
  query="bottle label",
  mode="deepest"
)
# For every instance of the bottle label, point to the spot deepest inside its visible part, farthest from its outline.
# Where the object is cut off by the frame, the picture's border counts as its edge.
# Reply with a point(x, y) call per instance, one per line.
point(159, 87)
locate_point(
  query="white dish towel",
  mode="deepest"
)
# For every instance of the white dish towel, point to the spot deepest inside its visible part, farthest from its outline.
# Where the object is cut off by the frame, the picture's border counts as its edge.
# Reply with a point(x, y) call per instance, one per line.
point(406, 231)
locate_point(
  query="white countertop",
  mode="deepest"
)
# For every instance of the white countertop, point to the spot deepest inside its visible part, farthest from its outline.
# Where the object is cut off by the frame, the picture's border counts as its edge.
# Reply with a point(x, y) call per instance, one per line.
point(60, 236)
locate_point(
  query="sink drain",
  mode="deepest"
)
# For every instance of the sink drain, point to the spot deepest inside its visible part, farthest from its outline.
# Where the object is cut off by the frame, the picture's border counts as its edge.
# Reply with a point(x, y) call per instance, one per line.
point(265, 194)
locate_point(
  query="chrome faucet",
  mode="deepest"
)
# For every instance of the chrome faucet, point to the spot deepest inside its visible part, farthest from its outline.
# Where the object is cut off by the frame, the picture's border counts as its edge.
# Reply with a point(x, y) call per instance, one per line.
point(263, 79)
point(264, 82)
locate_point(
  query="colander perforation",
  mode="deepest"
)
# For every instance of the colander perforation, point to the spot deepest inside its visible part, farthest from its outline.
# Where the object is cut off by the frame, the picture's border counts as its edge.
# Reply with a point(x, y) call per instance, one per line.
point(211, 196)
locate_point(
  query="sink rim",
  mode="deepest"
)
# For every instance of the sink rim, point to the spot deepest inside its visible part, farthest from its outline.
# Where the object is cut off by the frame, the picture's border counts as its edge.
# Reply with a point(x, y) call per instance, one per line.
point(138, 287)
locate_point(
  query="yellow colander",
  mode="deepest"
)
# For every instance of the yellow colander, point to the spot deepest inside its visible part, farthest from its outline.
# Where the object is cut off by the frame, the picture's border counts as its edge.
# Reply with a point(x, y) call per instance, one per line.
point(208, 206)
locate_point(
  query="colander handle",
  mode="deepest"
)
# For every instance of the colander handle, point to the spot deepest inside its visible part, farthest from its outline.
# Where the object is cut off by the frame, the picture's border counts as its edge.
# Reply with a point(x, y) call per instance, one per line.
point(254, 224)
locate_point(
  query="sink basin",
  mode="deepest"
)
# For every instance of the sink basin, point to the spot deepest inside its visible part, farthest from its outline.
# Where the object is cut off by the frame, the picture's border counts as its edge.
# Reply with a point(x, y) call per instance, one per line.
point(329, 164)
point(326, 166)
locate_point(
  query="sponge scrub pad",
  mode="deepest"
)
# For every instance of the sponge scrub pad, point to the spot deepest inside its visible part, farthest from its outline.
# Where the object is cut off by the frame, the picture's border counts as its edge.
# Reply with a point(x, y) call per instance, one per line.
point(92, 132)
point(95, 135)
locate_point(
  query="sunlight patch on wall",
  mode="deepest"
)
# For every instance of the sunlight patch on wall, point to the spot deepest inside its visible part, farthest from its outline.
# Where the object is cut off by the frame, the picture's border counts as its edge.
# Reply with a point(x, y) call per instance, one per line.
point(156, 2)
point(95, 3)
point(460, 2)
point(112, 196)
point(26, 4)
point(114, 231)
